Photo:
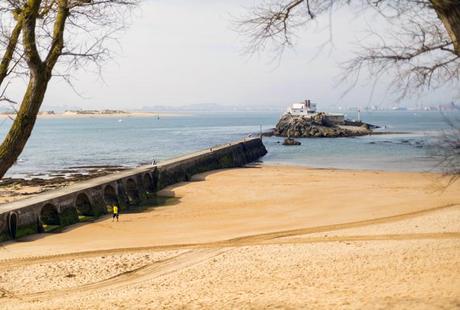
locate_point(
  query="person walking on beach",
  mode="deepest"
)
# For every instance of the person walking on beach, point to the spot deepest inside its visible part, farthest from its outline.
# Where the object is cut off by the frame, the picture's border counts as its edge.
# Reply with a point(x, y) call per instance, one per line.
point(115, 213)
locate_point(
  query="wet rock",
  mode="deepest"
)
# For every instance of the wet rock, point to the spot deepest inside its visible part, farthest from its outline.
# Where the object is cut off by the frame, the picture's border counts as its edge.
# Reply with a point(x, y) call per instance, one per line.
point(317, 126)
point(56, 180)
point(348, 122)
point(290, 141)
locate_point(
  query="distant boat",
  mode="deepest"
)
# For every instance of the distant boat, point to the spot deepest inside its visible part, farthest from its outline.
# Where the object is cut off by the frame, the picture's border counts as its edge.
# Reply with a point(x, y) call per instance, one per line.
point(120, 120)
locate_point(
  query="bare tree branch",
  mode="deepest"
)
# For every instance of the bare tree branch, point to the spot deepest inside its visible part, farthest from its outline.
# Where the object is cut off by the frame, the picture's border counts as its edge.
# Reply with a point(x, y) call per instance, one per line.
point(419, 51)
point(57, 31)
point(420, 54)
point(9, 51)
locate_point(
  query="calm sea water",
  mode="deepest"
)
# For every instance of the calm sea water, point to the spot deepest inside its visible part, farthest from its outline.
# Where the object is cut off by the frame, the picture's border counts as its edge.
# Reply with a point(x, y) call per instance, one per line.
point(62, 143)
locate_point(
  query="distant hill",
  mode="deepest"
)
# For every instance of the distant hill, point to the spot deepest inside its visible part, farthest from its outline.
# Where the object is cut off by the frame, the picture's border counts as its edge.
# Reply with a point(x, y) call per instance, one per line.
point(208, 107)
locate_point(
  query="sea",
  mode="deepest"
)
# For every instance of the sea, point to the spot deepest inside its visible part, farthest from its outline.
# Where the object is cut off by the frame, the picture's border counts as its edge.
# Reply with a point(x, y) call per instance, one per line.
point(59, 144)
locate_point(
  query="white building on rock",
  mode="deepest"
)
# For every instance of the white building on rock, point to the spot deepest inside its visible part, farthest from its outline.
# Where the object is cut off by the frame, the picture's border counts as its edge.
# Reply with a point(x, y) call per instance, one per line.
point(308, 109)
point(305, 107)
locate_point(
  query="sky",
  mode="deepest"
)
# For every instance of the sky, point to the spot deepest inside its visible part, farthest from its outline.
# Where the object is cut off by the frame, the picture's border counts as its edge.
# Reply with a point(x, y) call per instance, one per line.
point(182, 52)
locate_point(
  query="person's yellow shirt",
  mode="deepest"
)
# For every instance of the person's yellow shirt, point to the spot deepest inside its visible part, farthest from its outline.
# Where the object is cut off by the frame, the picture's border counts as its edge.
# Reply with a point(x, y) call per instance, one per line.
point(115, 210)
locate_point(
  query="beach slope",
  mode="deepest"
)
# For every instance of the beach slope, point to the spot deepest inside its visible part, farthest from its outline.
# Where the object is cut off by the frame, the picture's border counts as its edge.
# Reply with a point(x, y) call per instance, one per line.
point(267, 236)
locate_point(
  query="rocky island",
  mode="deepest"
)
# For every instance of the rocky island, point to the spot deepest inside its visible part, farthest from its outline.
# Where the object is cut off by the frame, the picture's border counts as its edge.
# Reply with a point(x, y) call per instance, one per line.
point(302, 121)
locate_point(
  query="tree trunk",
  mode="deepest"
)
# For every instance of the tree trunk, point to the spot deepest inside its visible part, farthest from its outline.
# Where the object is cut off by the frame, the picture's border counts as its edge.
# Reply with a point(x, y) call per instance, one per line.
point(449, 13)
point(20, 131)
point(40, 74)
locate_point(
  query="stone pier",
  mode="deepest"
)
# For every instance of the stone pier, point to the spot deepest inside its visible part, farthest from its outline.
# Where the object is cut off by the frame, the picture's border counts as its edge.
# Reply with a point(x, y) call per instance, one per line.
point(93, 198)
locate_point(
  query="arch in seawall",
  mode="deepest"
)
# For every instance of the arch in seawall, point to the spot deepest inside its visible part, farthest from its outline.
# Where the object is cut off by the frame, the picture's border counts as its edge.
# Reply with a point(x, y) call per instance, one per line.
point(132, 191)
point(149, 185)
point(49, 215)
point(110, 197)
point(12, 224)
point(84, 206)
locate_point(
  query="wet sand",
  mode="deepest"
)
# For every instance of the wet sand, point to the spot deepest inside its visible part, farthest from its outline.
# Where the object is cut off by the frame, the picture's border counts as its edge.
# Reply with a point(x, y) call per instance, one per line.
point(263, 237)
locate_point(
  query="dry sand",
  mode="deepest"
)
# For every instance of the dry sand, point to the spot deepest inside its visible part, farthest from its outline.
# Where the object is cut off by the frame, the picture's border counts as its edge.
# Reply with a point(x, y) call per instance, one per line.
point(267, 237)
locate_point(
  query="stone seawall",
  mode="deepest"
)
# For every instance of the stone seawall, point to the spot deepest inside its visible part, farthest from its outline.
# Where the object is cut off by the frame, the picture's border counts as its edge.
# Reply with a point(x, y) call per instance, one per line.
point(93, 198)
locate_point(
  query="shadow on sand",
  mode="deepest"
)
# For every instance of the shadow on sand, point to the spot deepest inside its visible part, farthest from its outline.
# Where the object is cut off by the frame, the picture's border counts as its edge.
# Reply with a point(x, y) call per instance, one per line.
point(162, 199)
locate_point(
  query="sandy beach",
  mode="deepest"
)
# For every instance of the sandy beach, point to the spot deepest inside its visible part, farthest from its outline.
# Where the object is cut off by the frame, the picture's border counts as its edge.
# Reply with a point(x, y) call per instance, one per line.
point(251, 238)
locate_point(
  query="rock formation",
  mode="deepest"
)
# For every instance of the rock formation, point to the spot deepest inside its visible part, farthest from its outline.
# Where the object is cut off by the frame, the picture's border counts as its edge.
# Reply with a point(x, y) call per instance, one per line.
point(290, 141)
point(318, 126)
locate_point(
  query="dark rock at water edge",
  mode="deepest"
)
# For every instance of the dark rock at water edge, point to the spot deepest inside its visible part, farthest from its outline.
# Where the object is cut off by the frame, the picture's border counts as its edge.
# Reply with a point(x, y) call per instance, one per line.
point(62, 177)
point(290, 141)
point(348, 122)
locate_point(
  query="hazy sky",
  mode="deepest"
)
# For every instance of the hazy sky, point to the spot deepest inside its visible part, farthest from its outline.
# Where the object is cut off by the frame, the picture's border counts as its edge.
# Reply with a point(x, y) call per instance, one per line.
point(179, 52)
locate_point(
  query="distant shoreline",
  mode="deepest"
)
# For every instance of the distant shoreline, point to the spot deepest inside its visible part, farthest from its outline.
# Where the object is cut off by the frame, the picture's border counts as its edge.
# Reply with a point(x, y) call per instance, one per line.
point(75, 114)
